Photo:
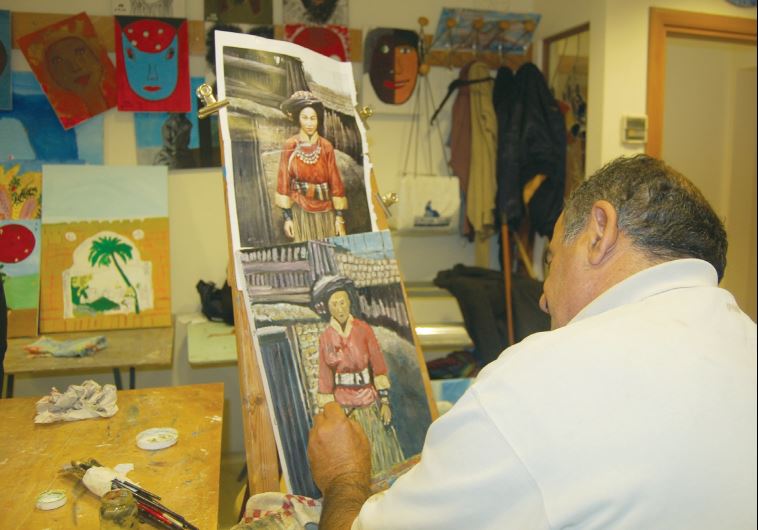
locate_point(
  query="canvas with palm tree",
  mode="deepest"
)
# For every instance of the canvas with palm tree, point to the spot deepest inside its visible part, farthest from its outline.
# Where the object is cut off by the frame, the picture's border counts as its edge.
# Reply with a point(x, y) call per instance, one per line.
point(109, 250)
point(108, 276)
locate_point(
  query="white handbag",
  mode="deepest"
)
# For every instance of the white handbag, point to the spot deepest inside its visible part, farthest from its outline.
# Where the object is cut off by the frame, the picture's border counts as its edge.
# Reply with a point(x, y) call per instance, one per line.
point(427, 204)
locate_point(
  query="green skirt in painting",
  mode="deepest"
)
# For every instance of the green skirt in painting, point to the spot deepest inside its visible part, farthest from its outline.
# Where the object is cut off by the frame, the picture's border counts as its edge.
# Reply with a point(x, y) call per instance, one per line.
point(385, 449)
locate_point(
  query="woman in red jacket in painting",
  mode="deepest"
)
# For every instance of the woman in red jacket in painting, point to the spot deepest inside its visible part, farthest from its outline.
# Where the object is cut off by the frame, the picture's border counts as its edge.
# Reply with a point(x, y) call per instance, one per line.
point(353, 371)
point(309, 188)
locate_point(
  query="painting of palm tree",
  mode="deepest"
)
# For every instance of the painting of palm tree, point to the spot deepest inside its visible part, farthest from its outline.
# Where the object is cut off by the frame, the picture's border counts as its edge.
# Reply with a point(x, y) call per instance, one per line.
point(108, 250)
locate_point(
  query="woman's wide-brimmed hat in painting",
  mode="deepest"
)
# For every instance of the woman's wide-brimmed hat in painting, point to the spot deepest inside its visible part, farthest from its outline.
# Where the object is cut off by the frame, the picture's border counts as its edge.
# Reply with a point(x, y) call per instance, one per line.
point(300, 100)
point(325, 287)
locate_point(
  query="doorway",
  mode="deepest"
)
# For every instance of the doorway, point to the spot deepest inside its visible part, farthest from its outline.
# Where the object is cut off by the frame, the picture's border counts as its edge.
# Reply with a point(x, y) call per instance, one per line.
point(702, 121)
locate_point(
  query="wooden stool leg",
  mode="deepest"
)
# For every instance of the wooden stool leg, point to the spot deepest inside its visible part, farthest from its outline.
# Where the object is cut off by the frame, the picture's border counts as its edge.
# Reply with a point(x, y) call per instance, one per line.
point(507, 276)
point(9, 388)
point(117, 378)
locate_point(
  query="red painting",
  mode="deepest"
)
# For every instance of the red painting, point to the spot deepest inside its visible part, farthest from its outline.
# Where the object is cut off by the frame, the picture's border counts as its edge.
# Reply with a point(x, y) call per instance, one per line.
point(331, 41)
point(152, 64)
point(73, 68)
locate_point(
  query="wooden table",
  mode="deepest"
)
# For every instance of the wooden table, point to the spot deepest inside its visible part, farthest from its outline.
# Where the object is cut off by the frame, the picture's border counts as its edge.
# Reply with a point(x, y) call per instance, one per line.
point(185, 475)
point(128, 348)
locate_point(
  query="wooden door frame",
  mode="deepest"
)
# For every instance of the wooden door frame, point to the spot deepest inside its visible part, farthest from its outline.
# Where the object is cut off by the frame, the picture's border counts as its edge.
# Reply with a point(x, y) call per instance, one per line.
point(670, 22)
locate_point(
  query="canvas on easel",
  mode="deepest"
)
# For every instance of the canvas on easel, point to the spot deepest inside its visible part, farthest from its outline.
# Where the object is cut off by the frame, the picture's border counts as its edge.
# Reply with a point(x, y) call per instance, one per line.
point(331, 324)
point(304, 298)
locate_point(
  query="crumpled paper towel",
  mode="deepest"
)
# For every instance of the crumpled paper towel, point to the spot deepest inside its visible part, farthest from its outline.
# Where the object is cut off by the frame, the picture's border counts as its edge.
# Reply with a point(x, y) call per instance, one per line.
point(98, 479)
point(67, 348)
point(78, 402)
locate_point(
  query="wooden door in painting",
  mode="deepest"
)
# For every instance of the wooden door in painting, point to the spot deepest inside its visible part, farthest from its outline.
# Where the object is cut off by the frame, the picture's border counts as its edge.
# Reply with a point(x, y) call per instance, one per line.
point(279, 362)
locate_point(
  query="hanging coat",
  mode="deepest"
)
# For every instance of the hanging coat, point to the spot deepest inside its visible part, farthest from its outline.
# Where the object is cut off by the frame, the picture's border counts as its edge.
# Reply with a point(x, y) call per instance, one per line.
point(532, 142)
point(460, 143)
point(482, 186)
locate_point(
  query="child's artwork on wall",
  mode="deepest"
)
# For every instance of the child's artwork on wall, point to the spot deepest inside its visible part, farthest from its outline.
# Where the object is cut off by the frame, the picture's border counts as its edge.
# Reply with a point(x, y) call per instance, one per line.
point(149, 8)
point(73, 68)
point(316, 12)
point(500, 32)
point(20, 192)
point(294, 143)
point(5, 60)
point(330, 324)
point(106, 248)
point(239, 11)
point(331, 41)
point(31, 131)
point(177, 140)
point(390, 69)
point(152, 64)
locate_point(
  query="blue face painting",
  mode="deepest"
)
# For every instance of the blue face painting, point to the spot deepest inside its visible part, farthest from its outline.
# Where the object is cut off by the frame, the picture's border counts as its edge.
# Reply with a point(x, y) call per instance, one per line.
point(151, 59)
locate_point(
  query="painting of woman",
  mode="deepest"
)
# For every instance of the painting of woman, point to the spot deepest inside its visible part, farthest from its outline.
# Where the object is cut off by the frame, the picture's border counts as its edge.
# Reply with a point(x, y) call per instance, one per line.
point(309, 187)
point(353, 371)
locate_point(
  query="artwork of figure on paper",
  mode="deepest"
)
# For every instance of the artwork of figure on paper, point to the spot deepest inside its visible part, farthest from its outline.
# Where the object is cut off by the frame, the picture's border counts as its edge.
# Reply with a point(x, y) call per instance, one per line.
point(152, 64)
point(20, 192)
point(73, 68)
point(297, 149)
point(106, 249)
point(31, 131)
point(331, 324)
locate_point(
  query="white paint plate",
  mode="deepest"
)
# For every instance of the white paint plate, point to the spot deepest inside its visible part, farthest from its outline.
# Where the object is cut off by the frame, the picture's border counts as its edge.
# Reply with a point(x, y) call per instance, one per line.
point(157, 438)
point(51, 499)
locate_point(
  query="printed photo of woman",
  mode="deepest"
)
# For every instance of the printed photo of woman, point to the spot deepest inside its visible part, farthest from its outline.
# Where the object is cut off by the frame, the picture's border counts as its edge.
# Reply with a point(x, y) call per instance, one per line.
point(309, 187)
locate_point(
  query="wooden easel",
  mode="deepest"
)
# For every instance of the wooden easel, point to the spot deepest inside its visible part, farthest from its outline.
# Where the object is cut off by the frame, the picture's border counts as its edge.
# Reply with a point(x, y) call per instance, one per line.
point(260, 445)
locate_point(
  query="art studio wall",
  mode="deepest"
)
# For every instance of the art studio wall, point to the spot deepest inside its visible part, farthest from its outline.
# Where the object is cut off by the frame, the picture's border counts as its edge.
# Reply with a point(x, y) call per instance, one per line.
point(196, 204)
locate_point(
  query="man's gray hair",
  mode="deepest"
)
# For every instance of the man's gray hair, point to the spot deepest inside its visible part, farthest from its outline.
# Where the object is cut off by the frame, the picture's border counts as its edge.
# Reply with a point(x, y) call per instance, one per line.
point(663, 213)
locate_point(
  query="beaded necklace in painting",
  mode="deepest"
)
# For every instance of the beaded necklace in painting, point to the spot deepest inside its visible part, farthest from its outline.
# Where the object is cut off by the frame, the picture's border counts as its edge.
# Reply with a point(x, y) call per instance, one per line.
point(310, 156)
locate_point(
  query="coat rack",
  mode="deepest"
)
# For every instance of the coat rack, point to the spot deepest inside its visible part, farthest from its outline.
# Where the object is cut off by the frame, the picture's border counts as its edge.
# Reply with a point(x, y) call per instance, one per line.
point(458, 46)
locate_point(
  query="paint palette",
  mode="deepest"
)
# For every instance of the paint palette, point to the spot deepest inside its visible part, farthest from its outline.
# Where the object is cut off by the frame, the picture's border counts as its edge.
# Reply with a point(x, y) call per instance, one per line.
point(157, 438)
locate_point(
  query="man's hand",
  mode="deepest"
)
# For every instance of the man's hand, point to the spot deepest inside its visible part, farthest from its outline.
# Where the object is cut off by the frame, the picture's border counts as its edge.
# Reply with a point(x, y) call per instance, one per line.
point(340, 457)
point(337, 446)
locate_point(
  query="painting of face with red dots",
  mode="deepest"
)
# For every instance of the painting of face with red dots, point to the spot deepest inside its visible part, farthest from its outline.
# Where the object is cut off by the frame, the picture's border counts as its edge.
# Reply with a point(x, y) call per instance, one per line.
point(72, 65)
point(152, 64)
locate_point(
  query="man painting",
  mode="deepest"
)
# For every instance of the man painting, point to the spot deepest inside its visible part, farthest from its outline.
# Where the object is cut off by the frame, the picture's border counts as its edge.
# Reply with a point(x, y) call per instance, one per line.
point(637, 410)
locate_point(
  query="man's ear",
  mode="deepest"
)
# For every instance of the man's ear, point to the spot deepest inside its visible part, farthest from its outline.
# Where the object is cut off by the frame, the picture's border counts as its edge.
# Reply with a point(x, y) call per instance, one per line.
point(602, 230)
